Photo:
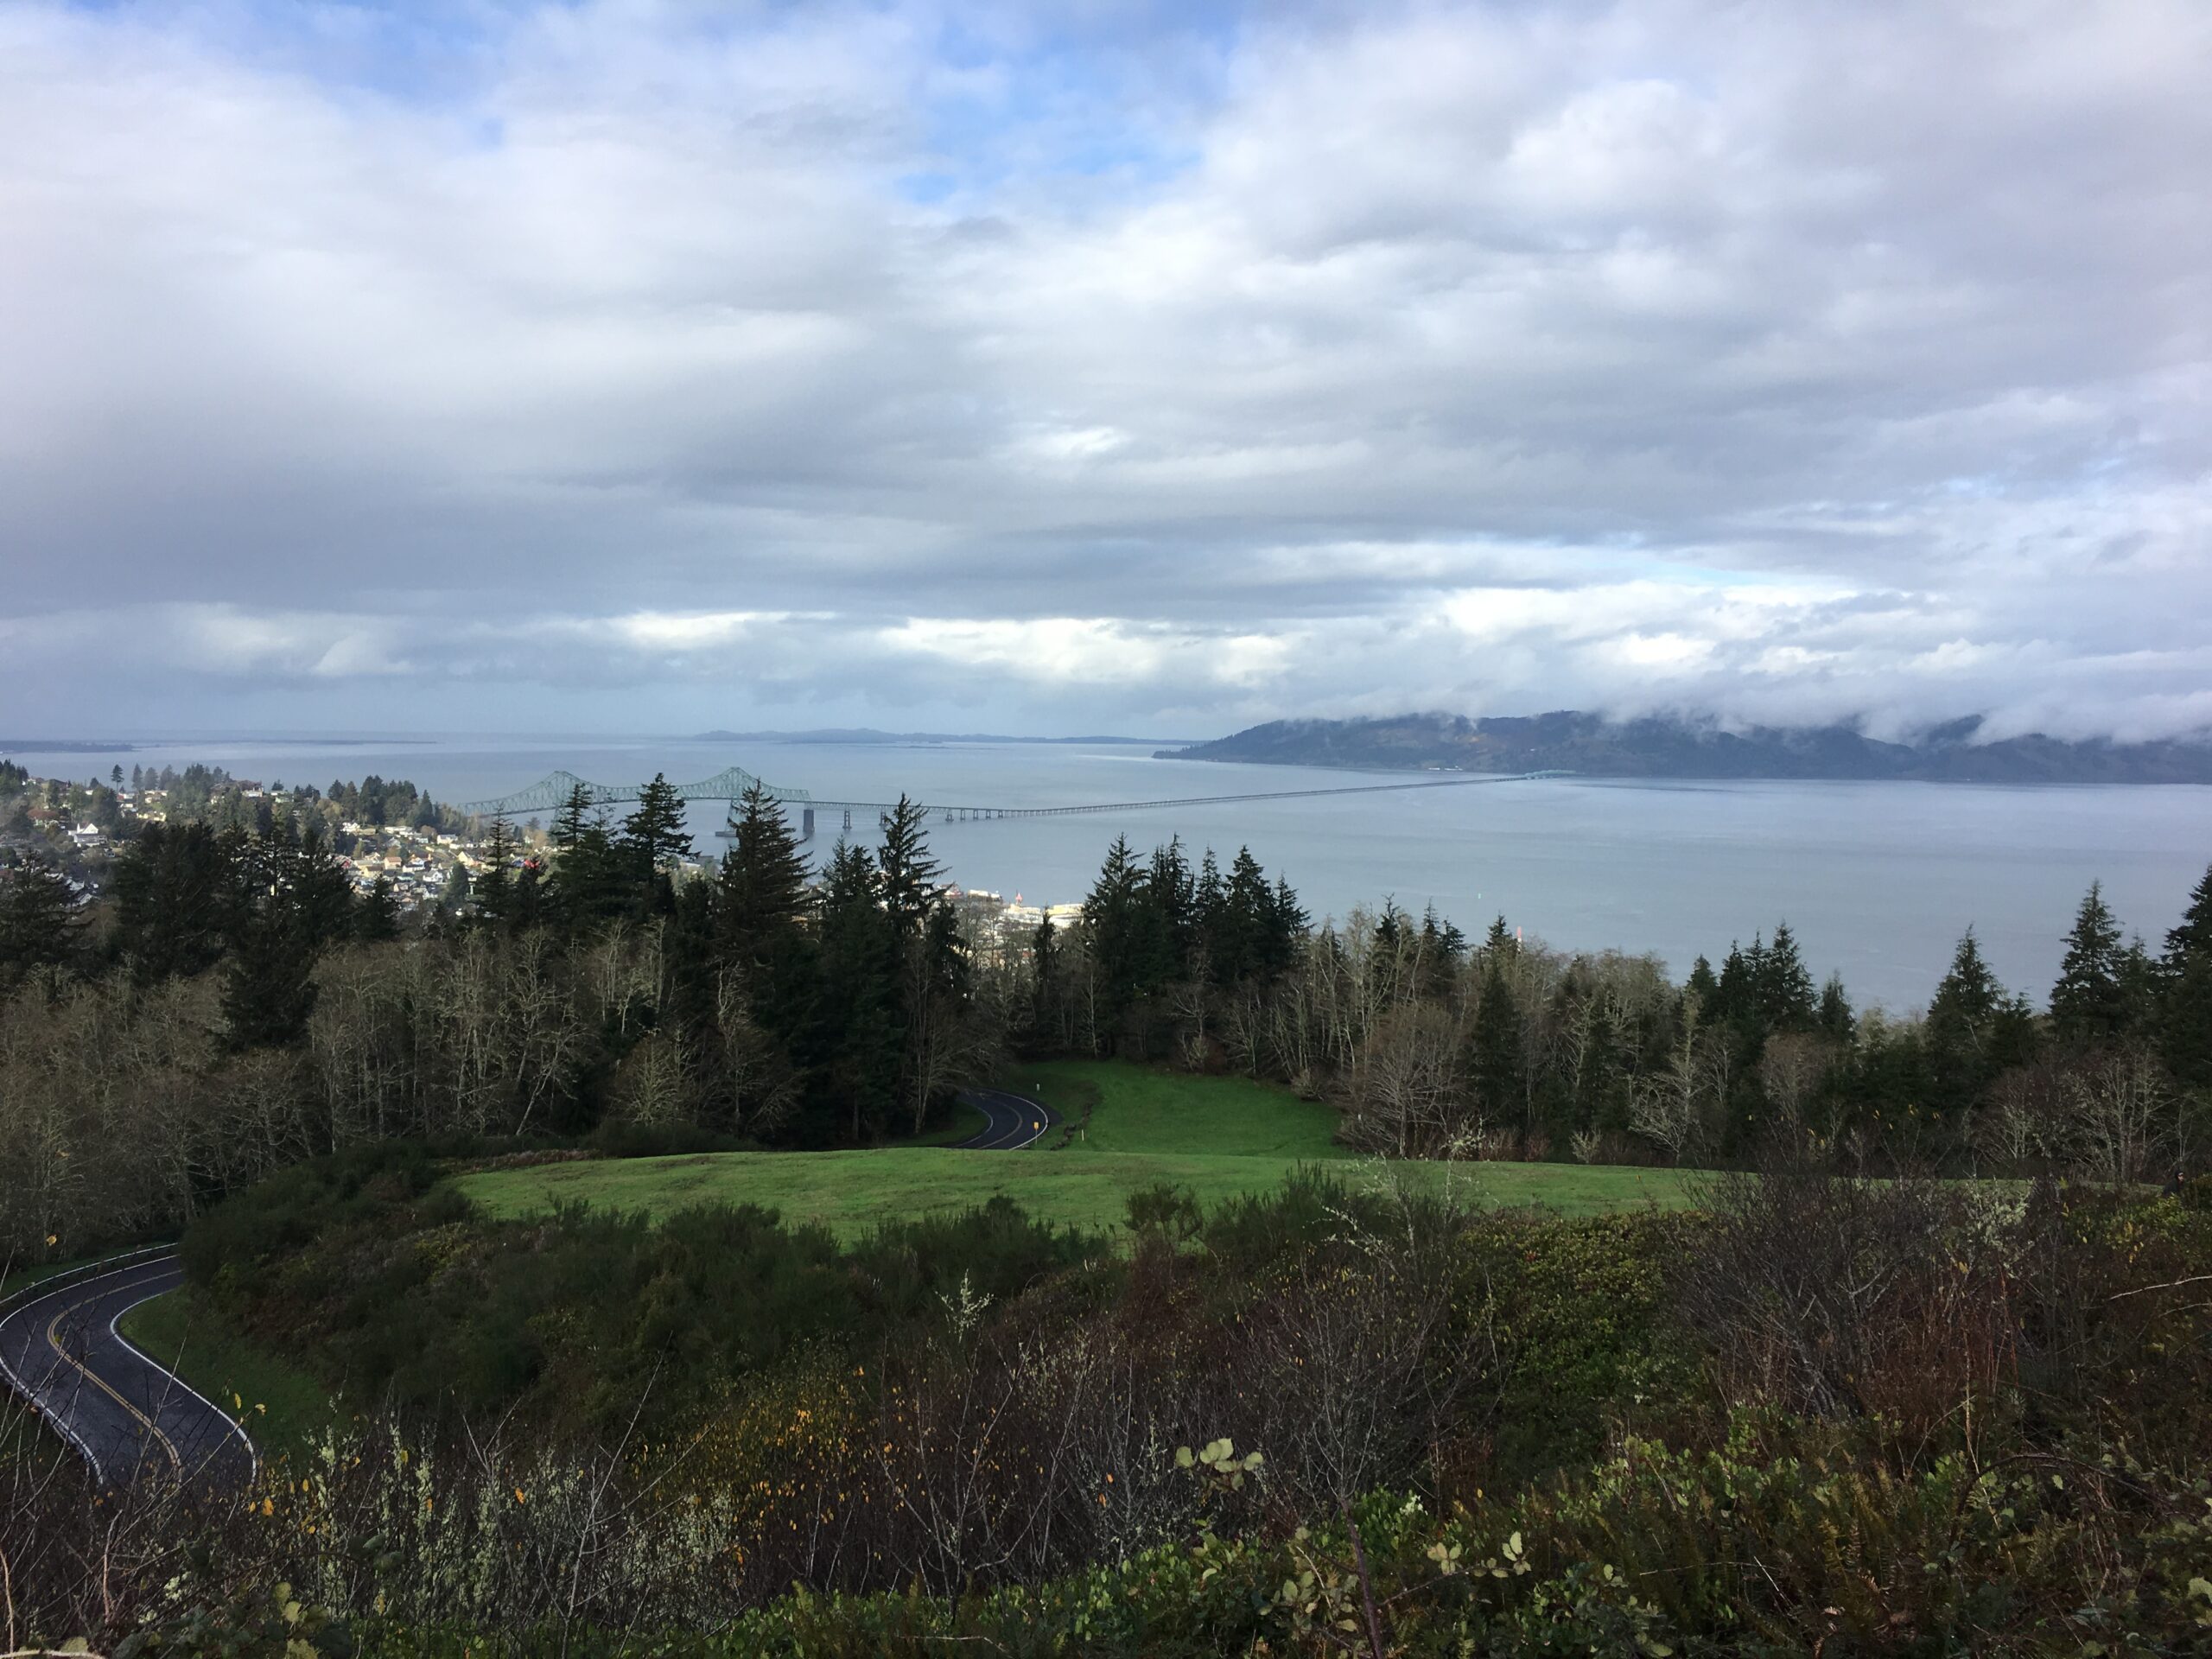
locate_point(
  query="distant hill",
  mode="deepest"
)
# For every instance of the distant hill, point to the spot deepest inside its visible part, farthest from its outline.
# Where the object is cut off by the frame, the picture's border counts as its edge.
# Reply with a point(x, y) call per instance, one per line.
point(1568, 741)
point(870, 735)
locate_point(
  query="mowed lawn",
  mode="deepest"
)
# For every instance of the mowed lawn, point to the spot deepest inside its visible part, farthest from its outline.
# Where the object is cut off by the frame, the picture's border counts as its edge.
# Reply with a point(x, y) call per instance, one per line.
point(1219, 1137)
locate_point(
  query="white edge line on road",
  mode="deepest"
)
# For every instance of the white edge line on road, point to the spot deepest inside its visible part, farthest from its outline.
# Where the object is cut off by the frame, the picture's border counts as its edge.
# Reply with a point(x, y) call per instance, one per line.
point(31, 1296)
point(61, 1424)
point(1042, 1121)
point(236, 1427)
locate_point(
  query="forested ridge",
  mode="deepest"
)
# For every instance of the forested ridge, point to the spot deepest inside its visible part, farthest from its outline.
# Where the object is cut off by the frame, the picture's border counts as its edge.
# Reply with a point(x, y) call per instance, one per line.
point(1954, 751)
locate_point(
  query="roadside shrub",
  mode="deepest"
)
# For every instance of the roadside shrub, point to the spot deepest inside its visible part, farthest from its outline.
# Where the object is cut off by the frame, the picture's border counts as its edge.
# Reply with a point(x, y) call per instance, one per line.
point(1832, 1294)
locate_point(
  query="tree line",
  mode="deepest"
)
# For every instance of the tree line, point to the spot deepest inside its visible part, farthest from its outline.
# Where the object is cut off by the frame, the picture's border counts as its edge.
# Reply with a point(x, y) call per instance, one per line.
point(232, 1005)
point(1436, 1044)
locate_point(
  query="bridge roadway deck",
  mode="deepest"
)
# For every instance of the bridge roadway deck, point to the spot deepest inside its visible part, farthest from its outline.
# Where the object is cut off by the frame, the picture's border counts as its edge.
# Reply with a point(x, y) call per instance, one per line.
point(957, 810)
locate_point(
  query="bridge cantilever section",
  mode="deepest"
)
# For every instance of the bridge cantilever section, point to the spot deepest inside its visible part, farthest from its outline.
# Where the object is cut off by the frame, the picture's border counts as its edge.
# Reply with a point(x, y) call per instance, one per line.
point(555, 790)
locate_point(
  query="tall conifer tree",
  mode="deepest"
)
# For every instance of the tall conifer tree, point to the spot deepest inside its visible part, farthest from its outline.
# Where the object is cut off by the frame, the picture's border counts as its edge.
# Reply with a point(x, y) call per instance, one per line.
point(40, 922)
point(2089, 1003)
point(2184, 1003)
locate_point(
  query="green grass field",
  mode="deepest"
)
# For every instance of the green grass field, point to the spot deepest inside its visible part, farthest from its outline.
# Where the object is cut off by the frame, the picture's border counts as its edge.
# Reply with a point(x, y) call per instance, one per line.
point(964, 1120)
point(1137, 1111)
point(1220, 1137)
point(284, 1407)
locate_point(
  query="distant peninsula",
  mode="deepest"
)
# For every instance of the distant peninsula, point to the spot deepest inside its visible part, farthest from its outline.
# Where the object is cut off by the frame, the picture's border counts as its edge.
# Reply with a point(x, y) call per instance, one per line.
point(1662, 748)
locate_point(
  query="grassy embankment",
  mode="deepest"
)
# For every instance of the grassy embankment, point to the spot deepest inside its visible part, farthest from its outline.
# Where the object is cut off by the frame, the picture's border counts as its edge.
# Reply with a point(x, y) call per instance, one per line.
point(1220, 1137)
point(284, 1408)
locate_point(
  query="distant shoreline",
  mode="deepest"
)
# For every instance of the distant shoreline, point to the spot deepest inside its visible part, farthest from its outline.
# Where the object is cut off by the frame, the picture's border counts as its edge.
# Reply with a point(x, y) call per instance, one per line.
point(1655, 749)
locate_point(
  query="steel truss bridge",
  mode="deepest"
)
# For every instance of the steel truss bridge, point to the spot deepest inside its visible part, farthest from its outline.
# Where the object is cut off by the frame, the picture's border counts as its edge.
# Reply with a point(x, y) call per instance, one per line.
point(555, 790)
point(550, 793)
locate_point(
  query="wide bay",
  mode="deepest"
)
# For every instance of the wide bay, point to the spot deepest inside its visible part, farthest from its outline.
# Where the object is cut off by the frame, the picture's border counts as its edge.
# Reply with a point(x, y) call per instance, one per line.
point(1877, 879)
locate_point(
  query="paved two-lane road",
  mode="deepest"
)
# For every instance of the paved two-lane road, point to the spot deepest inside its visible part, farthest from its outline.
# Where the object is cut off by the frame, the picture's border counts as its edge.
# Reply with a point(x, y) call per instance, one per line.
point(133, 1419)
point(129, 1417)
point(1015, 1121)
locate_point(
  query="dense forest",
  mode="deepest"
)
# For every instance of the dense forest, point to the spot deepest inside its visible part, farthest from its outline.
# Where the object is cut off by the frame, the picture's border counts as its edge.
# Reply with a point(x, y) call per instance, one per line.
point(234, 1005)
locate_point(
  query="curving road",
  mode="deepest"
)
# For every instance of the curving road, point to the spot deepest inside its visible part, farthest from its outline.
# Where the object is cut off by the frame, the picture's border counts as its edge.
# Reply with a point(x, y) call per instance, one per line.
point(128, 1416)
point(1015, 1121)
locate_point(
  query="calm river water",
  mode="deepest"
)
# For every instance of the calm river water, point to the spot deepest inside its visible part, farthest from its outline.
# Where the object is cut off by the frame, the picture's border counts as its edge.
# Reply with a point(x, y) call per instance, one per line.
point(1877, 879)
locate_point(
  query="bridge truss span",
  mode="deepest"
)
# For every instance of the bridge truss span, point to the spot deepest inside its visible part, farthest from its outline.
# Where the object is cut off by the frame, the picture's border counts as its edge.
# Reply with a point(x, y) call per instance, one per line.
point(555, 791)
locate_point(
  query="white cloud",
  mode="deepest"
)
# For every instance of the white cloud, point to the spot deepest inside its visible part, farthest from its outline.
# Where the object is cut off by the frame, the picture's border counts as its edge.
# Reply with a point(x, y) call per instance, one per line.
point(1842, 359)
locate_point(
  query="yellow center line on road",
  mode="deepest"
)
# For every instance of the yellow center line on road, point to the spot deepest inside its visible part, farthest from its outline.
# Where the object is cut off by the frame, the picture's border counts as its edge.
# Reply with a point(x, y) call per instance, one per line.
point(54, 1340)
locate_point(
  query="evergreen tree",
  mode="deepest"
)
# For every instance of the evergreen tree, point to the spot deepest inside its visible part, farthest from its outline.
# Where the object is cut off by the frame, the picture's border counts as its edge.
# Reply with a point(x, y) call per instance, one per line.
point(178, 890)
point(1241, 947)
point(1044, 981)
point(1211, 905)
point(1287, 923)
point(2185, 1002)
point(1702, 985)
point(1966, 999)
point(569, 818)
point(1499, 942)
point(864, 1036)
point(1735, 997)
point(1785, 988)
point(2191, 938)
point(494, 893)
point(1111, 917)
point(267, 993)
point(2089, 1003)
point(590, 883)
point(1493, 1060)
point(529, 902)
point(316, 888)
point(376, 918)
point(39, 920)
point(654, 833)
point(763, 876)
point(1974, 1031)
point(1172, 895)
point(1834, 1018)
point(1438, 961)
point(652, 838)
point(910, 877)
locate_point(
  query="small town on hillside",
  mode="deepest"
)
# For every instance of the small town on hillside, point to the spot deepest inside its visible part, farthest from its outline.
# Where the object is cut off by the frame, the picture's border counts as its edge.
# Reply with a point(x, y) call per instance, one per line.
point(429, 854)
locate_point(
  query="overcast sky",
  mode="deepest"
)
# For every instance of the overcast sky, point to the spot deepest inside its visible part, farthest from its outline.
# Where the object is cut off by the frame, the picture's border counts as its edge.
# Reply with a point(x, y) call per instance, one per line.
point(1067, 368)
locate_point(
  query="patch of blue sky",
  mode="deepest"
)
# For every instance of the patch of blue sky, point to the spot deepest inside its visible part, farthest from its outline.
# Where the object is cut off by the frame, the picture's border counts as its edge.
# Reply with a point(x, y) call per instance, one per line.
point(418, 51)
point(1107, 97)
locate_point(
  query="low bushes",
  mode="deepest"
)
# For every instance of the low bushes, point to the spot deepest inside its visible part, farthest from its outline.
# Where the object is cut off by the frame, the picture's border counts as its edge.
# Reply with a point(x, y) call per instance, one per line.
point(1727, 1433)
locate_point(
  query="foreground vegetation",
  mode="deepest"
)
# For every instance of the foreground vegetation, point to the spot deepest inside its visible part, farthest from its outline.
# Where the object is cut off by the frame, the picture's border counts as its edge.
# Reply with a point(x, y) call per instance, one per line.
point(1815, 1410)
